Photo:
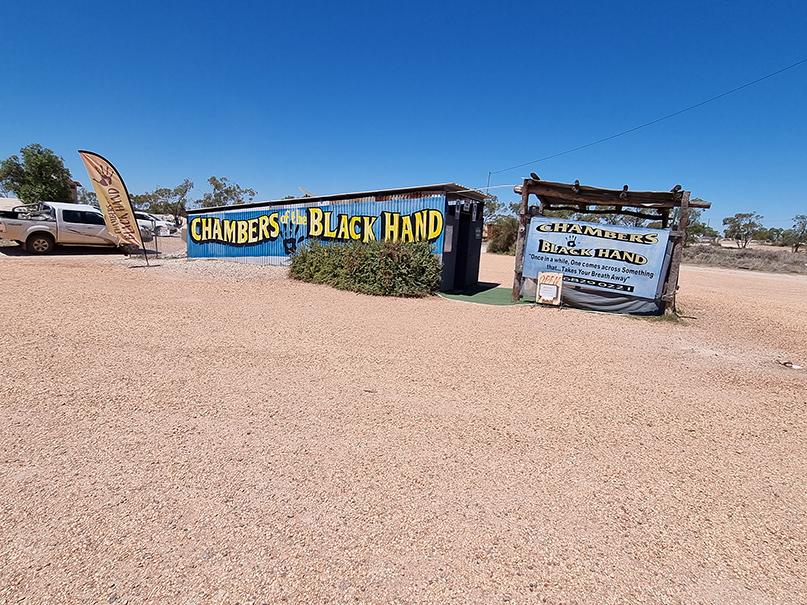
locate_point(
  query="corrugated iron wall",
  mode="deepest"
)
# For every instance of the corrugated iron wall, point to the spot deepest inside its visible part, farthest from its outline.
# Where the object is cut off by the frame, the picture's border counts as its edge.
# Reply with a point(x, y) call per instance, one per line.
point(285, 223)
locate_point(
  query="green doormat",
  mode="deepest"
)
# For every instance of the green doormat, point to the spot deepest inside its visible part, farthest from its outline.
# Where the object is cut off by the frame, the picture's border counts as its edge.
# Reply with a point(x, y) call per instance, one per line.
point(485, 294)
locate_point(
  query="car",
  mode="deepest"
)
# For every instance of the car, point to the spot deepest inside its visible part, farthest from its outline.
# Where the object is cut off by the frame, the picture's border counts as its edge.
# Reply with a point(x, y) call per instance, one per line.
point(41, 227)
point(153, 224)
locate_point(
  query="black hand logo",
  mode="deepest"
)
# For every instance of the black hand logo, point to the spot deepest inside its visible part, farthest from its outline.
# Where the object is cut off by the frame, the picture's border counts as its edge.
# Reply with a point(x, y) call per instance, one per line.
point(106, 176)
point(291, 237)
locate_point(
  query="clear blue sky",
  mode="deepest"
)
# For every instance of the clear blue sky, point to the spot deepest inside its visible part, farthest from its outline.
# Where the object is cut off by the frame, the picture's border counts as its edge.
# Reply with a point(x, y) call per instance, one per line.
point(353, 96)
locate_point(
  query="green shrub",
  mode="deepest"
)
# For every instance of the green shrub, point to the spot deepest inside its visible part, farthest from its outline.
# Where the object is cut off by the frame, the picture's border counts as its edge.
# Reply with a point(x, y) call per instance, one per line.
point(503, 235)
point(380, 268)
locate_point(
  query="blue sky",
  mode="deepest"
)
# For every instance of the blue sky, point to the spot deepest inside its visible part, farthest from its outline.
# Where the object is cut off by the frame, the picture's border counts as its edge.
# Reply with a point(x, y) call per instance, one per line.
point(353, 96)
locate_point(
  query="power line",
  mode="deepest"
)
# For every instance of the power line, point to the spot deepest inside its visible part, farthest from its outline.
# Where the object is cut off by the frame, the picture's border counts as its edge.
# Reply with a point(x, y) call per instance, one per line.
point(672, 115)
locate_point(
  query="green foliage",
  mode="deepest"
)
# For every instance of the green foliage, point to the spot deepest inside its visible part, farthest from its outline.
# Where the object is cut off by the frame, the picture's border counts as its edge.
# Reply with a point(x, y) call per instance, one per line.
point(87, 196)
point(380, 268)
point(492, 208)
point(798, 235)
point(224, 193)
point(166, 201)
point(502, 235)
point(697, 228)
point(742, 227)
point(772, 235)
point(795, 237)
point(39, 176)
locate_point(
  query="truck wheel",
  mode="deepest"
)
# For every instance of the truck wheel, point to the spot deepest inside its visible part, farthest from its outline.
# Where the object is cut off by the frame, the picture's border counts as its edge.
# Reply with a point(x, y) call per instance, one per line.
point(40, 243)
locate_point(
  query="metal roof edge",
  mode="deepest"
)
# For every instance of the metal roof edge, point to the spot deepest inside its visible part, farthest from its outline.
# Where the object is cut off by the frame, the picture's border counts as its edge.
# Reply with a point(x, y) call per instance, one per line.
point(474, 194)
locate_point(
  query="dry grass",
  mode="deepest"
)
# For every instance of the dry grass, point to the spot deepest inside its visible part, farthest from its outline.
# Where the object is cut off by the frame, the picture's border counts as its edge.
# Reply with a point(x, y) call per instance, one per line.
point(755, 259)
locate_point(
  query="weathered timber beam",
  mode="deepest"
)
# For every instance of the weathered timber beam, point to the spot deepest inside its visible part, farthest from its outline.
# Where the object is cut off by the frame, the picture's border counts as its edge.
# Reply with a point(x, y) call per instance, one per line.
point(604, 197)
point(671, 286)
point(523, 222)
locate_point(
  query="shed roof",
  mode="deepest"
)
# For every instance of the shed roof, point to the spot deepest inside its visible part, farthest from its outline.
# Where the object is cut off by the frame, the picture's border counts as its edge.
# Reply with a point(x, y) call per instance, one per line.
point(452, 190)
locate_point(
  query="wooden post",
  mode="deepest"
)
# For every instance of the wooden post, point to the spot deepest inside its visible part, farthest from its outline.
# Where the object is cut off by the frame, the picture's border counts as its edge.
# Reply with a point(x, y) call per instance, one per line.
point(523, 221)
point(680, 235)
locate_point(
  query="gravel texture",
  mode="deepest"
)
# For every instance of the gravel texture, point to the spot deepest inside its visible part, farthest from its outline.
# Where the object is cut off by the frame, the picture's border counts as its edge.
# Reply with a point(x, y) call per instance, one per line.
point(209, 432)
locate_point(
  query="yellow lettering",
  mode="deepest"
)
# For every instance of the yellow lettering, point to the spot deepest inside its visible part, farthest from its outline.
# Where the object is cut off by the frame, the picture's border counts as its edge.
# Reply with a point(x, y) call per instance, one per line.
point(253, 230)
point(196, 234)
point(314, 222)
point(355, 222)
point(263, 227)
point(435, 224)
point(229, 231)
point(343, 233)
point(275, 227)
point(420, 225)
point(329, 233)
point(217, 229)
point(391, 222)
point(406, 229)
point(367, 228)
point(243, 232)
point(207, 228)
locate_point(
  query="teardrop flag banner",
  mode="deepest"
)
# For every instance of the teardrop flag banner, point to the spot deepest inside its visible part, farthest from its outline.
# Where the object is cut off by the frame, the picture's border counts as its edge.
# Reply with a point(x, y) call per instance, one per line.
point(113, 199)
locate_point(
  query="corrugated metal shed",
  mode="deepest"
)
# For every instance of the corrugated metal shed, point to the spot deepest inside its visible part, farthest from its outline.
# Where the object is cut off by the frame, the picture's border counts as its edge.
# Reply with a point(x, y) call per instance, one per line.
point(447, 215)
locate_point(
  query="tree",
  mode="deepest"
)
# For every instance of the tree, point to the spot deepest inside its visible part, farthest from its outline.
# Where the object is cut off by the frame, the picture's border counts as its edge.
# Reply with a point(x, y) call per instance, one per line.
point(697, 228)
point(85, 196)
point(492, 208)
point(503, 234)
point(772, 235)
point(742, 227)
point(797, 236)
point(224, 193)
point(800, 230)
point(166, 201)
point(40, 175)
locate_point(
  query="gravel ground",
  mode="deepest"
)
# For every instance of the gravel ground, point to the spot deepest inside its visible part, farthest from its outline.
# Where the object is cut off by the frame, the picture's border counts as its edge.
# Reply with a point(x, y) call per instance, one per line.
point(208, 432)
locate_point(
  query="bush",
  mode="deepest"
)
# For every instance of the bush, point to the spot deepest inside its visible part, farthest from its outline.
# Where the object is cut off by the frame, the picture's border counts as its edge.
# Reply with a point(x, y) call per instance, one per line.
point(503, 235)
point(774, 261)
point(380, 268)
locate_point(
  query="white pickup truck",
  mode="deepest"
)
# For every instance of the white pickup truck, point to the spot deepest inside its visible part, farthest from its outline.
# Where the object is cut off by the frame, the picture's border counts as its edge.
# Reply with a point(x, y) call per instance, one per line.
point(40, 227)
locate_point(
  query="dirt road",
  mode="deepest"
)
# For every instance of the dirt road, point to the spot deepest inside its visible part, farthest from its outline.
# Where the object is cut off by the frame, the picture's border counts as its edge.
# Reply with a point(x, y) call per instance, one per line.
point(205, 432)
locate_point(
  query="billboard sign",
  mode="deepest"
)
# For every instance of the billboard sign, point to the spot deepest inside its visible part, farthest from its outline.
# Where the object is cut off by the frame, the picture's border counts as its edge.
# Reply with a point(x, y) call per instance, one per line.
point(276, 231)
point(611, 258)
